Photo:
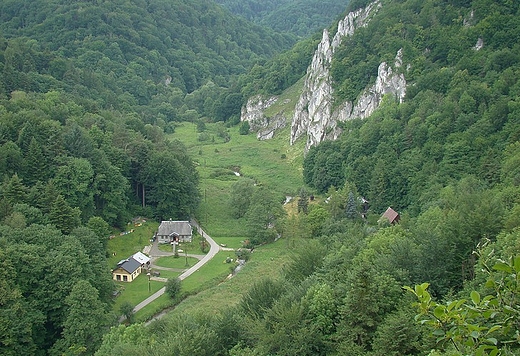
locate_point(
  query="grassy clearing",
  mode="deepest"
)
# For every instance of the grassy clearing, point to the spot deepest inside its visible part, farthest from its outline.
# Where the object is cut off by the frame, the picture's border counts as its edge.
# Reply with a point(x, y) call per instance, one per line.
point(126, 245)
point(176, 262)
point(160, 304)
point(207, 277)
point(211, 273)
point(229, 242)
point(267, 260)
point(273, 163)
point(168, 274)
point(136, 291)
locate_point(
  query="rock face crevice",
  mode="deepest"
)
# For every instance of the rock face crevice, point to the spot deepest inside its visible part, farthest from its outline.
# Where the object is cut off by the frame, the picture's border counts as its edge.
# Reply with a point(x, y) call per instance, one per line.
point(316, 116)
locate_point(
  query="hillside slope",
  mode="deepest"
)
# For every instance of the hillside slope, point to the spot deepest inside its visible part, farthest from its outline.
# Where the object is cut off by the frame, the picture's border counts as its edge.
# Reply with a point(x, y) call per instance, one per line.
point(444, 153)
point(302, 17)
point(132, 54)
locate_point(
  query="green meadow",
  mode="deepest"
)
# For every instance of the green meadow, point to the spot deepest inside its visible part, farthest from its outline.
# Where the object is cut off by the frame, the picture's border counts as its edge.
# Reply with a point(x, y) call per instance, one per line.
point(265, 261)
point(127, 243)
point(273, 163)
point(221, 162)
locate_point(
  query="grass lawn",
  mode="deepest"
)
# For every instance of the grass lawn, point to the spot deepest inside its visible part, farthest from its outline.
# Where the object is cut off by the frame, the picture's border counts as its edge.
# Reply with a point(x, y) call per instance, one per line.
point(173, 262)
point(212, 272)
point(230, 242)
point(168, 274)
point(126, 245)
point(208, 276)
point(161, 303)
point(136, 291)
point(192, 247)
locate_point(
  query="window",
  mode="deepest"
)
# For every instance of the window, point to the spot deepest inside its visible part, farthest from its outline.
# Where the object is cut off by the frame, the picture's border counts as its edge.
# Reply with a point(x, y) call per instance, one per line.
point(125, 278)
point(118, 277)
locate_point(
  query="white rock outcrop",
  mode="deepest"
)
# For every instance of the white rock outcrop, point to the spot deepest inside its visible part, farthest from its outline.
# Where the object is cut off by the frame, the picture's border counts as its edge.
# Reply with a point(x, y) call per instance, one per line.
point(253, 112)
point(314, 116)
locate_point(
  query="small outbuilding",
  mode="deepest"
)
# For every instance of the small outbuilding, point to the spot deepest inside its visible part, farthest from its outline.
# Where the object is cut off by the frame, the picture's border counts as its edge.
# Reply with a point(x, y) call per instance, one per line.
point(141, 258)
point(391, 215)
point(178, 231)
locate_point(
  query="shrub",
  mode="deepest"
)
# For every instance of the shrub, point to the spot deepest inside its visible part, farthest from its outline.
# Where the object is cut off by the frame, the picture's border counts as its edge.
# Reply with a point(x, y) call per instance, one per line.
point(173, 287)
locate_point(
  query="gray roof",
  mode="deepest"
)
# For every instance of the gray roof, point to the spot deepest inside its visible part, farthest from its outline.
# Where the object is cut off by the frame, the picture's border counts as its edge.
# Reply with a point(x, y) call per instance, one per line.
point(130, 265)
point(182, 228)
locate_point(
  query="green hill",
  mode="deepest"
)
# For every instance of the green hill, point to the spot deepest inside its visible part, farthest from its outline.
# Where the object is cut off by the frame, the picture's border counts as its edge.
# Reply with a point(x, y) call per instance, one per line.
point(121, 54)
point(302, 17)
point(114, 109)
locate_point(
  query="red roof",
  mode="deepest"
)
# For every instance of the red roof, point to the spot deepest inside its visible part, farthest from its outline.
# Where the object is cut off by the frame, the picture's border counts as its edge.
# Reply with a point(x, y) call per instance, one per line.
point(391, 215)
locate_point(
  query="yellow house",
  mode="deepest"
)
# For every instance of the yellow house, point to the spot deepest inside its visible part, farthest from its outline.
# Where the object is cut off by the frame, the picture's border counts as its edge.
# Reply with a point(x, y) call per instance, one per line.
point(127, 270)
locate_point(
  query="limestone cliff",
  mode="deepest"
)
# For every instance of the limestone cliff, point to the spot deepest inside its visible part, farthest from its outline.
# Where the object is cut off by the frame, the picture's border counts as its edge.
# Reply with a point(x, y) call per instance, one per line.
point(314, 116)
point(253, 112)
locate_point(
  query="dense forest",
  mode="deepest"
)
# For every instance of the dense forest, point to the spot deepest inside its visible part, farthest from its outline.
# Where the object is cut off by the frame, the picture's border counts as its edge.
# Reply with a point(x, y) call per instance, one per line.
point(138, 56)
point(88, 91)
point(300, 17)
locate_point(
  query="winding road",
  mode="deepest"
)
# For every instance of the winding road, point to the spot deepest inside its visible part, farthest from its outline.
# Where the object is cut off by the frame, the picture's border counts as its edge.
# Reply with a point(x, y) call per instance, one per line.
point(214, 249)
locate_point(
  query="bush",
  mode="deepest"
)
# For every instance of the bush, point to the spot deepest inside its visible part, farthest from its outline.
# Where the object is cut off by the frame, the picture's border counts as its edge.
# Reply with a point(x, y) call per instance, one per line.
point(173, 287)
point(127, 310)
point(244, 128)
point(243, 254)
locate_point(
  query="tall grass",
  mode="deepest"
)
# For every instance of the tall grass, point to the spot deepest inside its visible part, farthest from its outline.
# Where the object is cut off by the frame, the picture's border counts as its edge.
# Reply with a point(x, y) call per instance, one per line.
point(272, 163)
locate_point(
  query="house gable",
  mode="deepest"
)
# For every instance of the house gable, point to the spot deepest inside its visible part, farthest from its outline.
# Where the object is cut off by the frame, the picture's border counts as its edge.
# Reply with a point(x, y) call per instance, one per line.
point(391, 215)
point(174, 231)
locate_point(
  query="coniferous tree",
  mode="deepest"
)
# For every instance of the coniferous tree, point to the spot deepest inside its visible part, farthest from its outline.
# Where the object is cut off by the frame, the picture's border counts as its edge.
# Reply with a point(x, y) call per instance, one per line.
point(63, 216)
point(35, 163)
point(303, 201)
point(351, 209)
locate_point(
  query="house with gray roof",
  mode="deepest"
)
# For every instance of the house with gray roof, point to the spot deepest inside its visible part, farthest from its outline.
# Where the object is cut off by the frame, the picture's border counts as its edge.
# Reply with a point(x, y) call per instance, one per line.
point(179, 231)
point(127, 270)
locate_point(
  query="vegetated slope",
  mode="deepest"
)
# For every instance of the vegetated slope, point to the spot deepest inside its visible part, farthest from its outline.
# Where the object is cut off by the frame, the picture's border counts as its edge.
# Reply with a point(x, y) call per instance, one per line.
point(458, 116)
point(447, 158)
point(301, 17)
point(121, 54)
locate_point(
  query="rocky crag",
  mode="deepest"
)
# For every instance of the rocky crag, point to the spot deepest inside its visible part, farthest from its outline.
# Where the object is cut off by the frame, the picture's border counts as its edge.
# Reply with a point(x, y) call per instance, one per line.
point(314, 116)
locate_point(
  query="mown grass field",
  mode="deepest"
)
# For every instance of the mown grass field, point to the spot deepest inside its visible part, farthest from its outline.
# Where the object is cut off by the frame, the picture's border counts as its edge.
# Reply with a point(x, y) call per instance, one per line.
point(176, 262)
point(126, 245)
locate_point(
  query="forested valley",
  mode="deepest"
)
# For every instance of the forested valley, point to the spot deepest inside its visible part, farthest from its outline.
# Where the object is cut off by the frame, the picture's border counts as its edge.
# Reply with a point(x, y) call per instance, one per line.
point(90, 92)
point(300, 17)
